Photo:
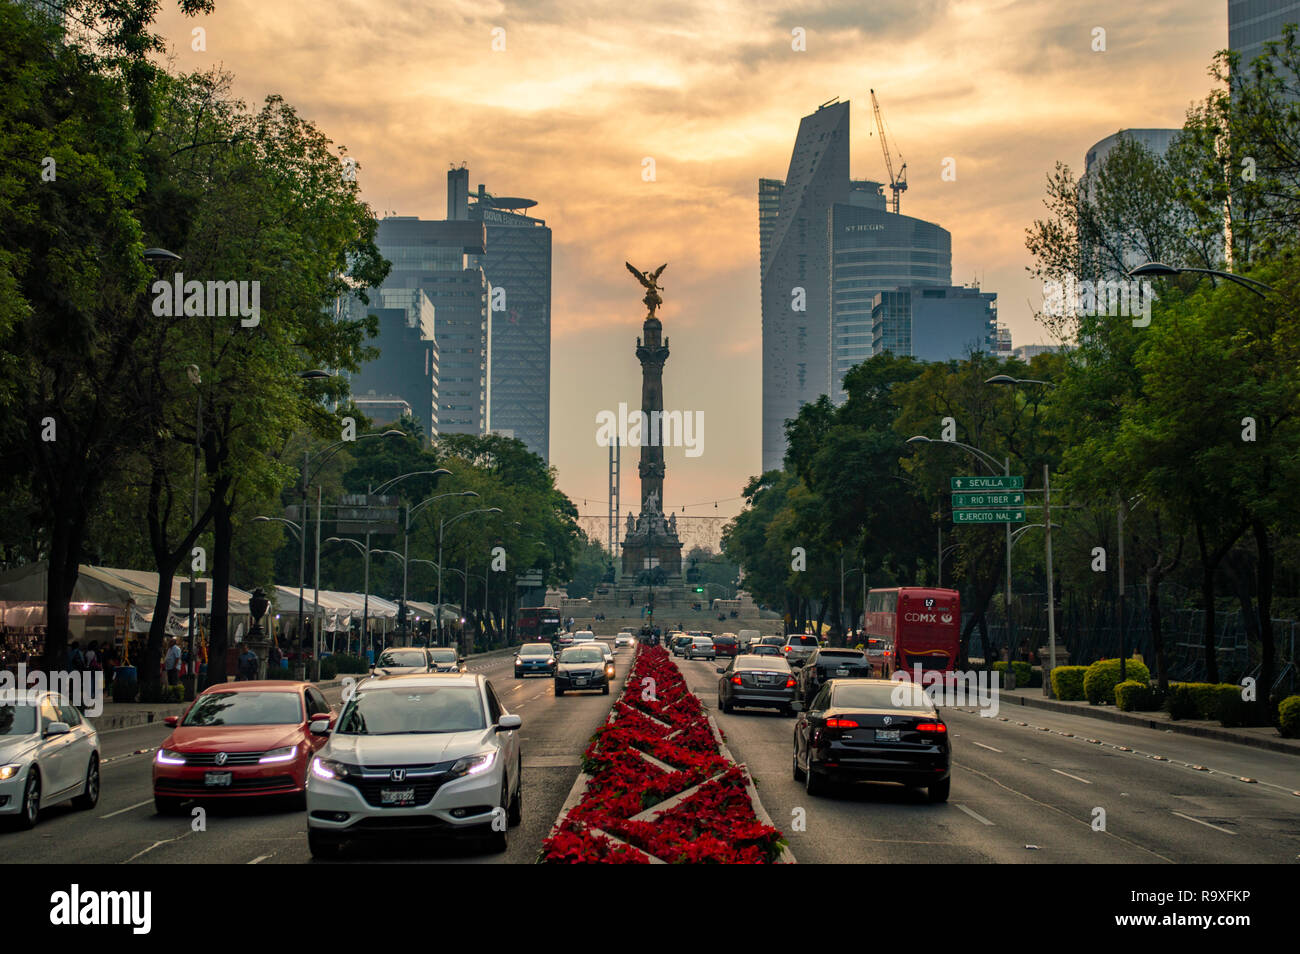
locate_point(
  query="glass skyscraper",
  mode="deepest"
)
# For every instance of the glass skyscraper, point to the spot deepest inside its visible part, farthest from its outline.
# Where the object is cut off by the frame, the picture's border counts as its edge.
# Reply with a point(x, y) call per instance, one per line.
point(1252, 23)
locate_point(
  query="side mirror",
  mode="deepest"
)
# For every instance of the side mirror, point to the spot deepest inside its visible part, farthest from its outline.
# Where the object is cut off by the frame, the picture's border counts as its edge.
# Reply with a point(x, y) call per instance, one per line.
point(508, 723)
point(172, 721)
point(319, 726)
point(722, 669)
point(57, 728)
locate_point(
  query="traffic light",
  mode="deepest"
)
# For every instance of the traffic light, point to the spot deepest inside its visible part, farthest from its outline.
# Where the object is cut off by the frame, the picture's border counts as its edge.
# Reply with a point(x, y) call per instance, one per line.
point(699, 589)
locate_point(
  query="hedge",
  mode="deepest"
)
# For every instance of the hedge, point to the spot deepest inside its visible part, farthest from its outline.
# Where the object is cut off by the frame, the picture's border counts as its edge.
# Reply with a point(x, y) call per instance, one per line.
point(1134, 696)
point(1101, 677)
point(1206, 700)
point(328, 668)
point(1067, 682)
point(347, 662)
point(1024, 672)
point(1288, 717)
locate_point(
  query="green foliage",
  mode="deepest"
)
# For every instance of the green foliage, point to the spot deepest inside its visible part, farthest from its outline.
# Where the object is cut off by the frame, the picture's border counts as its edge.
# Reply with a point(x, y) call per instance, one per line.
point(329, 668)
point(1067, 682)
point(1024, 672)
point(1205, 700)
point(1134, 696)
point(1288, 717)
point(1101, 677)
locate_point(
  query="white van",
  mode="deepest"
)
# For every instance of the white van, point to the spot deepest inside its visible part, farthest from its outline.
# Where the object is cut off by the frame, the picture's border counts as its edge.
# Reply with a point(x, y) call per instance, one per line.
point(747, 636)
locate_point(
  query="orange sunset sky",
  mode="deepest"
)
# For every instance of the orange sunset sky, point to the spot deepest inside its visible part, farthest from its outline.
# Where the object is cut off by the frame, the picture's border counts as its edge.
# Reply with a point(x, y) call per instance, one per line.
point(713, 91)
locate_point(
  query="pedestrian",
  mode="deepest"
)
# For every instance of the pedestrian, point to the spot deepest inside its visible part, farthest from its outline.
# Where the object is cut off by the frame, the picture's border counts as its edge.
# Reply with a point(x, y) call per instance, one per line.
point(247, 664)
point(274, 656)
point(172, 662)
point(92, 661)
point(76, 661)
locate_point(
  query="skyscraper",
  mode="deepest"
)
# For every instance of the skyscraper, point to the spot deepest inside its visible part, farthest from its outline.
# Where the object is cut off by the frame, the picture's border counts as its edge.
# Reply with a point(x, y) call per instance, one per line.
point(872, 251)
point(406, 369)
point(795, 285)
point(935, 323)
point(517, 266)
point(441, 259)
point(1252, 23)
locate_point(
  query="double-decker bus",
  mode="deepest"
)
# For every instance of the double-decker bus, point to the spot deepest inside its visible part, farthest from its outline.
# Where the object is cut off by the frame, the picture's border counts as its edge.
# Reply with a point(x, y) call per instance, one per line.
point(909, 626)
point(538, 624)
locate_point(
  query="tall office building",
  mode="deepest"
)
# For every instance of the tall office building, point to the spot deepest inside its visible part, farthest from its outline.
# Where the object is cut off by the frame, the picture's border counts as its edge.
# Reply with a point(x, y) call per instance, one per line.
point(795, 286)
point(872, 251)
point(1252, 23)
point(517, 266)
point(406, 369)
point(935, 323)
point(441, 259)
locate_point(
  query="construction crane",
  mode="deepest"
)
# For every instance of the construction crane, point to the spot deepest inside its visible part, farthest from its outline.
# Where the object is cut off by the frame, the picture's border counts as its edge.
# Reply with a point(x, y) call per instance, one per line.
point(897, 183)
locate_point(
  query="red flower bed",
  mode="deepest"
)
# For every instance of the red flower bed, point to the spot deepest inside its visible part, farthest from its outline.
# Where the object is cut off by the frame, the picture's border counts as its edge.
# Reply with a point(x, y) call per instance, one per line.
point(714, 824)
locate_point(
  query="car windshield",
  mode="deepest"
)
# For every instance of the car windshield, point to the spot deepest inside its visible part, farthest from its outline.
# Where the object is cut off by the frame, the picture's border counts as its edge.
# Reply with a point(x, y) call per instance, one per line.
point(17, 720)
point(841, 656)
point(893, 695)
point(765, 651)
point(411, 711)
point(766, 664)
point(703, 641)
point(245, 708)
point(583, 655)
point(402, 657)
point(535, 649)
point(443, 655)
point(803, 640)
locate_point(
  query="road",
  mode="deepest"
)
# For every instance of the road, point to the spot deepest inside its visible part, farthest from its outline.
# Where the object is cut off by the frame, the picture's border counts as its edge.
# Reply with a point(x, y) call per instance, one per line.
point(123, 828)
point(1026, 786)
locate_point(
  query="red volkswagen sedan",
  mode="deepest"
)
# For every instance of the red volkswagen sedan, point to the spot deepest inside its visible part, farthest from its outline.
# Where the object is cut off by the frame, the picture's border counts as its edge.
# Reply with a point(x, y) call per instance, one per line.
point(242, 739)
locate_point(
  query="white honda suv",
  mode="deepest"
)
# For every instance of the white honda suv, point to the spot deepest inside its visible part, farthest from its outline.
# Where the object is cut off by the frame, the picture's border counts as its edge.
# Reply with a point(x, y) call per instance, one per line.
point(416, 754)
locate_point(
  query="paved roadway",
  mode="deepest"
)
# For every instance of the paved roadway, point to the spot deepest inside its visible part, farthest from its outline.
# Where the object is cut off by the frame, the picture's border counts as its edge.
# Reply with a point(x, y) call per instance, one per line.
point(1034, 784)
point(124, 829)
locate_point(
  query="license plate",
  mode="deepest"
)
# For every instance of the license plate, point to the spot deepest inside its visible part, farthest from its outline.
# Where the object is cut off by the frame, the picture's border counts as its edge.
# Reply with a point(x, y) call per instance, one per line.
point(841, 672)
point(767, 680)
point(886, 735)
point(397, 796)
point(580, 680)
point(217, 779)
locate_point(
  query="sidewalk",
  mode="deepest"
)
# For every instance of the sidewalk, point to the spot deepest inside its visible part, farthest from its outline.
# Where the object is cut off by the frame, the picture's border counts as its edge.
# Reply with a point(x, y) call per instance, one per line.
point(128, 715)
point(1260, 737)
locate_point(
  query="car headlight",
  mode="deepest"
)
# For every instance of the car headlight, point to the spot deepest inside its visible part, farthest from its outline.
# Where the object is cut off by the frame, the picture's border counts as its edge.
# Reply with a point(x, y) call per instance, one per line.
point(168, 757)
point(473, 764)
point(328, 768)
point(9, 771)
point(285, 754)
point(551, 661)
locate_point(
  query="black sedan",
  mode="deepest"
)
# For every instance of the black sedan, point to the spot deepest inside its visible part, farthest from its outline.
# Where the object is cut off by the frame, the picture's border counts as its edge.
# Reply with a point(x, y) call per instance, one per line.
point(760, 681)
point(827, 664)
point(874, 730)
point(581, 668)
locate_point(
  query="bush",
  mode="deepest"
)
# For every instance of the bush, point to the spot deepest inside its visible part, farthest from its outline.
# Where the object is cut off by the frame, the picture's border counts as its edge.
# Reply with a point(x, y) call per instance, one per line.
point(174, 693)
point(329, 668)
point(346, 662)
point(1207, 700)
point(1288, 717)
point(1134, 696)
point(1102, 676)
point(1024, 672)
point(1067, 682)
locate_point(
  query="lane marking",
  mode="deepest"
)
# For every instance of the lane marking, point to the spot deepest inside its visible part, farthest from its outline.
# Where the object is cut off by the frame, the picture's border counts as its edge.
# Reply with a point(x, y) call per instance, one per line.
point(260, 858)
point(1205, 823)
point(129, 808)
point(975, 815)
point(1075, 777)
point(983, 746)
point(156, 844)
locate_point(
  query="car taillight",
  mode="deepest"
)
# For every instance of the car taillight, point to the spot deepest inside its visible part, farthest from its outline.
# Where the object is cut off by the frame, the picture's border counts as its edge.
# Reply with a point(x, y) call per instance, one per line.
point(735, 680)
point(932, 727)
point(841, 724)
point(789, 682)
point(785, 649)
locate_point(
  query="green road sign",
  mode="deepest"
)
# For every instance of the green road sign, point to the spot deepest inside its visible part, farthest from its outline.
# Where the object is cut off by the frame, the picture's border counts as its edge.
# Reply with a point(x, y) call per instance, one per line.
point(987, 483)
point(988, 516)
point(987, 500)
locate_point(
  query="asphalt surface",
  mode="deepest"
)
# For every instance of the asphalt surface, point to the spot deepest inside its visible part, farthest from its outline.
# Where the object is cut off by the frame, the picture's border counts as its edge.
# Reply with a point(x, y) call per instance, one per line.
point(123, 828)
point(1027, 793)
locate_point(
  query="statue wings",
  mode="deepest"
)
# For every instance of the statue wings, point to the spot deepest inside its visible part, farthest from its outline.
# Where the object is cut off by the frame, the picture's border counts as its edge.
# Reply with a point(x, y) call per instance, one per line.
point(649, 279)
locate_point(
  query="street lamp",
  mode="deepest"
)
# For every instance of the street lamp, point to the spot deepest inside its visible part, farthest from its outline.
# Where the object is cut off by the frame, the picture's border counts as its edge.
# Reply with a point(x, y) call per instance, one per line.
point(196, 379)
point(406, 549)
point(991, 463)
point(1161, 270)
point(443, 524)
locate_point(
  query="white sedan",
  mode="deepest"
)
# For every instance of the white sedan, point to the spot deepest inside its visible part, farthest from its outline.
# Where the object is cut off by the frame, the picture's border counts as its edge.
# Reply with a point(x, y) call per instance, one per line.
point(623, 639)
point(48, 754)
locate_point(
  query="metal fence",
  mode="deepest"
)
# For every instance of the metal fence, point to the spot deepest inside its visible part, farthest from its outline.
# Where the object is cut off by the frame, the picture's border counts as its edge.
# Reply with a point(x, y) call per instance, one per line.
point(1089, 629)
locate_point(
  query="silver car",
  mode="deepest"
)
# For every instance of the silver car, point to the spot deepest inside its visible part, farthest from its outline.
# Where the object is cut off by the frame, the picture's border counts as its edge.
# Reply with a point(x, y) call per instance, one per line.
point(49, 753)
point(397, 661)
point(433, 754)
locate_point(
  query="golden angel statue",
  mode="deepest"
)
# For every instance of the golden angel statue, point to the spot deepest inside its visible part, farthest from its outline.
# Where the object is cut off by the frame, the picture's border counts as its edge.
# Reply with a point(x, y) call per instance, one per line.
point(651, 282)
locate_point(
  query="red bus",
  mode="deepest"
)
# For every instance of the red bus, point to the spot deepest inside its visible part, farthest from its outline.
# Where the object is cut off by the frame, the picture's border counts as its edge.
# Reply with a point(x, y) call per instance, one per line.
point(538, 624)
point(911, 626)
